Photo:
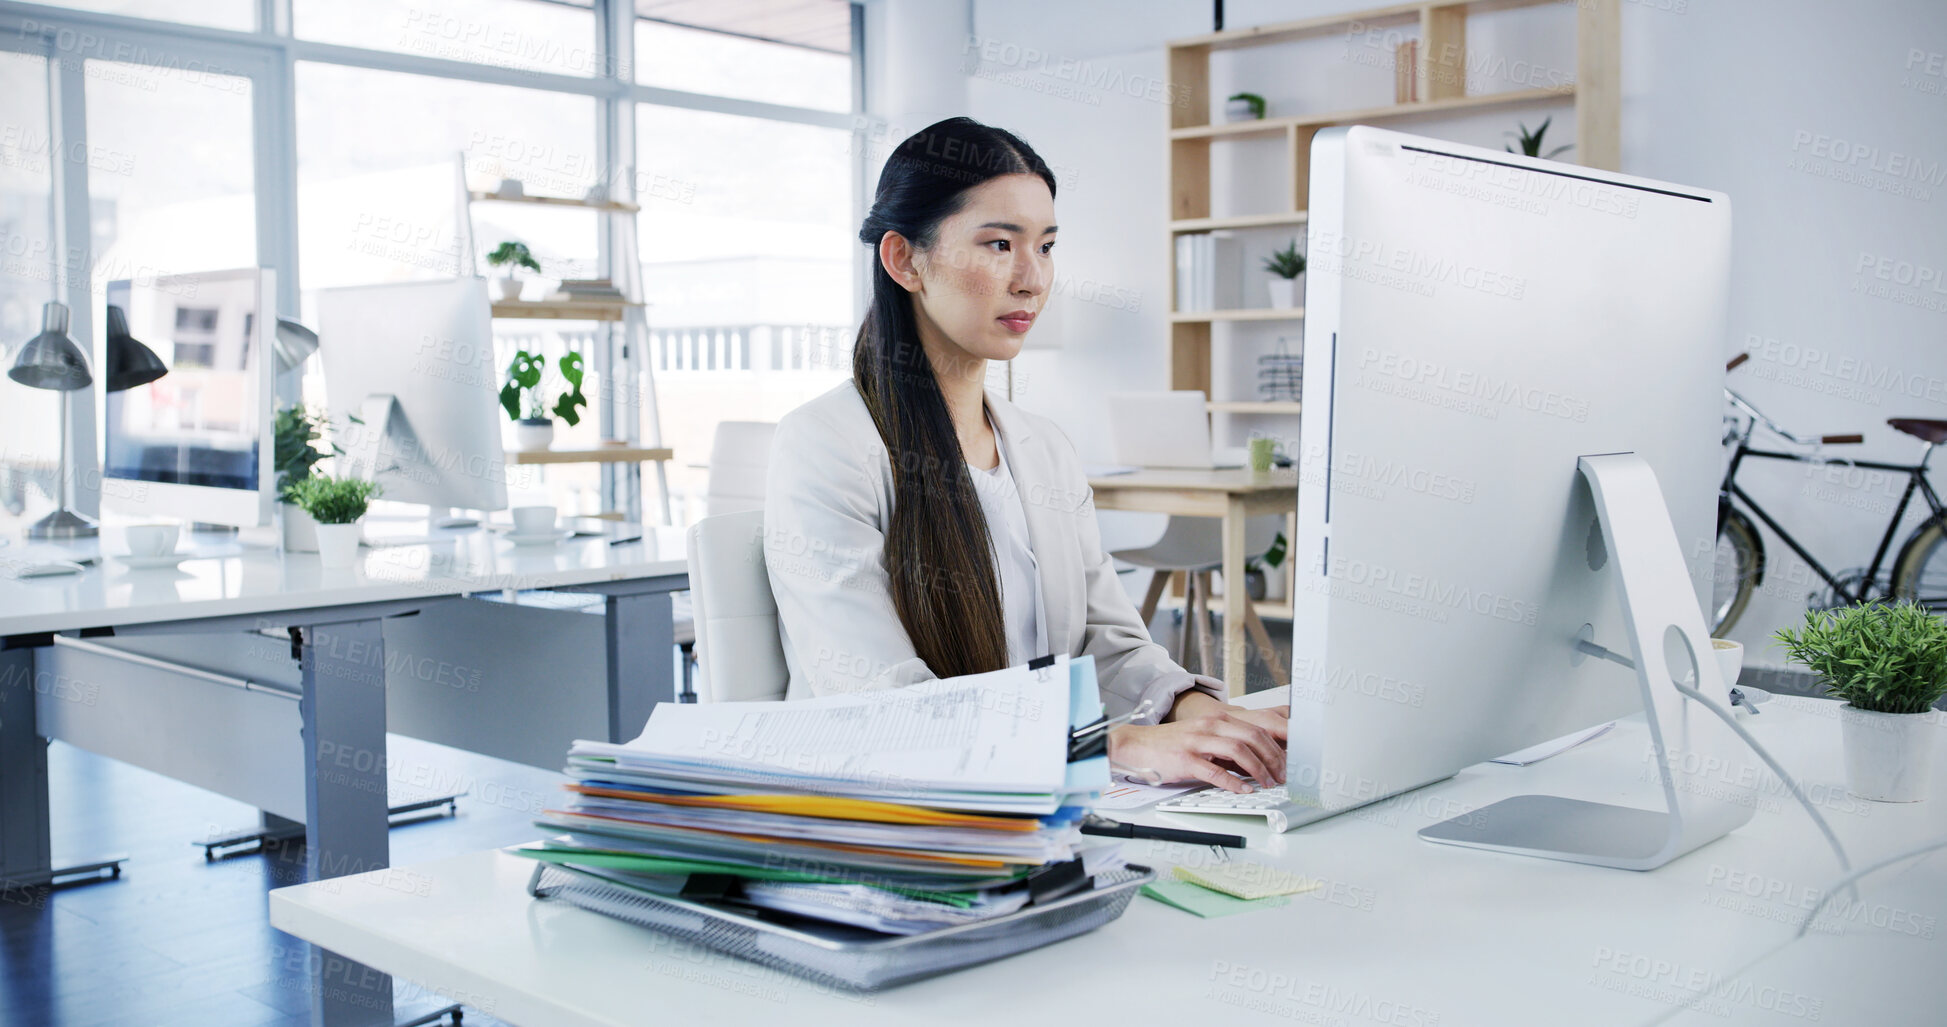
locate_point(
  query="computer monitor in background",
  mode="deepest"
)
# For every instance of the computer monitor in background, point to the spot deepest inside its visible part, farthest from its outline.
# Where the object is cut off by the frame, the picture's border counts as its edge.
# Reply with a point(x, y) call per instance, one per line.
point(1488, 336)
point(196, 441)
point(409, 376)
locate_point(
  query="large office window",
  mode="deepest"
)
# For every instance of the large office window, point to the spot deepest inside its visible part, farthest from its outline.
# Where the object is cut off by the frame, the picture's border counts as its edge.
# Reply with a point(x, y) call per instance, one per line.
point(803, 58)
point(402, 109)
point(170, 173)
point(747, 249)
point(555, 36)
point(240, 15)
point(31, 268)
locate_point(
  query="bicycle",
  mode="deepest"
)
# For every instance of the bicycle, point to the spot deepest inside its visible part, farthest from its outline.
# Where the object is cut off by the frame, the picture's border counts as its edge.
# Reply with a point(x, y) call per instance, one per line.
point(1918, 573)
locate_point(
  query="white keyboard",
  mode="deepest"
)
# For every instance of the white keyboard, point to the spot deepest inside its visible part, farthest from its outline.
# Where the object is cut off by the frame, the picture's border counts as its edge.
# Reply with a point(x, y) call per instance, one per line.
point(1280, 811)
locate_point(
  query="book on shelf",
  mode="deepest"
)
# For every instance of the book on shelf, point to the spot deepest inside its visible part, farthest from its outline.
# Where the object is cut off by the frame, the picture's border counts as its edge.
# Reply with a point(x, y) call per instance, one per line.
point(1209, 271)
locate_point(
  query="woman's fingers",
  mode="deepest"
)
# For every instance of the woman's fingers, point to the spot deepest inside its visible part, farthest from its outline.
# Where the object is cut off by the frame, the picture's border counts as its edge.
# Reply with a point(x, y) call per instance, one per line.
point(1241, 753)
point(1264, 747)
point(1275, 720)
point(1212, 774)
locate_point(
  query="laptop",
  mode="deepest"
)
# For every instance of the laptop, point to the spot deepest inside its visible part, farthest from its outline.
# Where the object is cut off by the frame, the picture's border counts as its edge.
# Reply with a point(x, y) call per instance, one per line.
point(1163, 429)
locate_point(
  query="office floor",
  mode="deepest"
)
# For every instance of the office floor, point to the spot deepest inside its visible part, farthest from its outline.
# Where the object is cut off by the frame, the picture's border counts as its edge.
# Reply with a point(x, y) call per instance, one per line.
point(181, 941)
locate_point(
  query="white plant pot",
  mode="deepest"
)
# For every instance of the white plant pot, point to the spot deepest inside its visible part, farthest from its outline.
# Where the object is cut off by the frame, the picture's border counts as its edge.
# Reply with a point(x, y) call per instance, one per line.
point(1284, 292)
point(1239, 110)
point(1888, 755)
point(533, 437)
point(338, 545)
point(300, 529)
point(507, 288)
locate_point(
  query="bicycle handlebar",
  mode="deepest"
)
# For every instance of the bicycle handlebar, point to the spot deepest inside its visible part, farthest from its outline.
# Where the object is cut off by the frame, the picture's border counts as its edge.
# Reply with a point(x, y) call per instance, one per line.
point(1779, 430)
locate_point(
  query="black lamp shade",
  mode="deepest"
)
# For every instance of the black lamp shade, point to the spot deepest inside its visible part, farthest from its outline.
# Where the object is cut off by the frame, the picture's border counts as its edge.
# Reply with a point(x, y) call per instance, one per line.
point(128, 363)
point(51, 360)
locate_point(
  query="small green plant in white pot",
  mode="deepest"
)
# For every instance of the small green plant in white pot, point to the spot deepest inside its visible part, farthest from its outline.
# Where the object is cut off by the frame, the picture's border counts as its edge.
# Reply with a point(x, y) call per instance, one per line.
point(1888, 661)
point(511, 257)
point(295, 454)
point(1244, 107)
point(1285, 266)
point(521, 396)
point(336, 504)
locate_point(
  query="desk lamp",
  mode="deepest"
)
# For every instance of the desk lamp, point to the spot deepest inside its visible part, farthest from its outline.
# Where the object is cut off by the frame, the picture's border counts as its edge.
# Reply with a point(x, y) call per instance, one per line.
point(129, 362)
point(292, 344)
point(52, 361)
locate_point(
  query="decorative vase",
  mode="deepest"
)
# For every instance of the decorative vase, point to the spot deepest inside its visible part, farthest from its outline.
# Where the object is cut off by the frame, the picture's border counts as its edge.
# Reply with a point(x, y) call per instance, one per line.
point(300, 529)
point(338, 545)
point(507, 288)
point(533, 434)
point(1888, 755)
point(1284, 292)
point(1239, 110)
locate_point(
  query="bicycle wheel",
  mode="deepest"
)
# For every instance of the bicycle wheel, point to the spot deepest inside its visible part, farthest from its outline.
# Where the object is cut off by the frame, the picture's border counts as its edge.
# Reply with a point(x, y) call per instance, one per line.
point(1740, 567)
point(1920, 573)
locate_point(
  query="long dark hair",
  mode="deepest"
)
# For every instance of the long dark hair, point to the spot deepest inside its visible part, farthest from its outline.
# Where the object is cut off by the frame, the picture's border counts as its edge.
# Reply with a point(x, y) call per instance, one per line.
point(938, 551)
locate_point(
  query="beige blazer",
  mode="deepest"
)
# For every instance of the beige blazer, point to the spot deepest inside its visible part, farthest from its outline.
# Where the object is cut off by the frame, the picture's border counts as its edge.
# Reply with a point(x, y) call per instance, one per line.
point(828, 499)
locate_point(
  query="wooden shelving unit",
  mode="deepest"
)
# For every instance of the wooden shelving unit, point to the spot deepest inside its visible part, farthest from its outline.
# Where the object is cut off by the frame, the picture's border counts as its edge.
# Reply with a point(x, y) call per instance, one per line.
point(1251, 406)
point(1442, 34)
point(598, 455)
point(562, 310)
point(1240, 314)
point(1441, 86)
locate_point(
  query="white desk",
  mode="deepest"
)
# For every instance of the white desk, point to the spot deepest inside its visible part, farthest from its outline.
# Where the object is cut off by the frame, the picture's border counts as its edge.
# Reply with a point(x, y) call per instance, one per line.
point(1403, 933)
point(333, 618)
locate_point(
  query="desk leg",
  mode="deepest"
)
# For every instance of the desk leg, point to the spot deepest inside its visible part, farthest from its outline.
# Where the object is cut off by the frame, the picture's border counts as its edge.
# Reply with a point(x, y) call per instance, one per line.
point(26, 853)
point(641, 660)
point(344, 798)
point(1236, 593)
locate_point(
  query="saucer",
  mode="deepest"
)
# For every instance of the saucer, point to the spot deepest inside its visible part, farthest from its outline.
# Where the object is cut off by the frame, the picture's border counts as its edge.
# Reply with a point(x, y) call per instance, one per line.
point(546, 538)
point(146, 563)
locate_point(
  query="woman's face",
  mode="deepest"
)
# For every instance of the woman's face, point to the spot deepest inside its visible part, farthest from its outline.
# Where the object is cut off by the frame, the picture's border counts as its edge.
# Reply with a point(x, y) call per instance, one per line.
point(987, 274)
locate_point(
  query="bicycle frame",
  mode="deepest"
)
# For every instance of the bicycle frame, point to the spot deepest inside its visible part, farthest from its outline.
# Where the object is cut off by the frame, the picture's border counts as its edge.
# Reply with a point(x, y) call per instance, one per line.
point(1917, 482)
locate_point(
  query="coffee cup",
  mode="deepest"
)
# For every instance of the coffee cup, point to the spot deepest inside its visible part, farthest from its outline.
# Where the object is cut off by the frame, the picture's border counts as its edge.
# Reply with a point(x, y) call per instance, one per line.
point(533, 520)
point(153, 539)
point(1730, 660)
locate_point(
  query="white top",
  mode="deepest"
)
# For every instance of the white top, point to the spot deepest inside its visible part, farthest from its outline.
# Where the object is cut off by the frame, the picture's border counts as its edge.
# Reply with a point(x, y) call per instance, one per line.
point(1014, 563)
point(1400, 932)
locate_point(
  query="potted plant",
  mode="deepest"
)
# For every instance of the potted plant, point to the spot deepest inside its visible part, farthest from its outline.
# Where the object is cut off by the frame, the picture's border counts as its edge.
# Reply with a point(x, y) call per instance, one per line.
point(1244, 107)
point(1889, 663)
point(1285, 266)
point(336, 504)
point(512, 256)
point(1531, 142)
point(535, 430)
point(1257, 579)
point(295, 455)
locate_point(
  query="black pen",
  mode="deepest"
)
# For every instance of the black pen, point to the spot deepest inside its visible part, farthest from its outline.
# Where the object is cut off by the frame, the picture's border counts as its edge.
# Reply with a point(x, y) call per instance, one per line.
point(1103, 826)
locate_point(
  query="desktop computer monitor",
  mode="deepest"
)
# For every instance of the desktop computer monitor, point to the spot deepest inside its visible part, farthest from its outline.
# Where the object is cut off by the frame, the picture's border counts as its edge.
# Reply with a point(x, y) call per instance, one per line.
point(1489, 338)
point(194, 441)
point(409, 374)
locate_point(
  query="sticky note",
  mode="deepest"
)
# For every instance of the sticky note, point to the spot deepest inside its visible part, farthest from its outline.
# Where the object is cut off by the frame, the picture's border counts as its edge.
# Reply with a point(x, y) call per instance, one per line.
point(1192, 898)
point(1246, 879)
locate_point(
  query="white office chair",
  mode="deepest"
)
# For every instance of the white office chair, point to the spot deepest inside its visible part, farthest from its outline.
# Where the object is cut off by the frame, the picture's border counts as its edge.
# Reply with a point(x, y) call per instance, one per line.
point(740, 457)
point(738, 644)
point(1194, 546)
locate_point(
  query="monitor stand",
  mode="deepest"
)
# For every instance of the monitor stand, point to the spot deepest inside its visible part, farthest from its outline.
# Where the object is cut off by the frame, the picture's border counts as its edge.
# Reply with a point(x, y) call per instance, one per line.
point(1703, 768)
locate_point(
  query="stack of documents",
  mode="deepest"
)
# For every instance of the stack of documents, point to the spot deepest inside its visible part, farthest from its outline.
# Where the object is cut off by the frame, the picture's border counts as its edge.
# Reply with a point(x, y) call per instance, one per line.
point(900, 811)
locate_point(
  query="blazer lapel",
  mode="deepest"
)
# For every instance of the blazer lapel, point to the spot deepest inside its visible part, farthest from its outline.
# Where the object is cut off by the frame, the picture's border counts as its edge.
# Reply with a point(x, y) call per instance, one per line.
point(1050, 528)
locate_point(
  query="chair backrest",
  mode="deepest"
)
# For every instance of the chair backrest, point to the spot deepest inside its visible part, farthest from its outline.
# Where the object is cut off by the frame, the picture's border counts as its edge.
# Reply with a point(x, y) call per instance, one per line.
point(739, 650)
point(740, 454)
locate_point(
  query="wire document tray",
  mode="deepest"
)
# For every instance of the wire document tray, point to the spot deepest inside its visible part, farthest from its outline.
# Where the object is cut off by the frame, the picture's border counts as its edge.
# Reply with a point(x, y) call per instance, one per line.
point(835, 954)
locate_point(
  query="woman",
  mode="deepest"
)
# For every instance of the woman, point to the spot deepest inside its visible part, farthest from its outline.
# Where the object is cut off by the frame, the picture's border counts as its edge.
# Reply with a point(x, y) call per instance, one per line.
point(916, 526)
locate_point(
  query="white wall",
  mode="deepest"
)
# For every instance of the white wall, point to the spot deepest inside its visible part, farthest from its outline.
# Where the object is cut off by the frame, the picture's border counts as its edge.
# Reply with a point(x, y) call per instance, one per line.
point(1722, 95)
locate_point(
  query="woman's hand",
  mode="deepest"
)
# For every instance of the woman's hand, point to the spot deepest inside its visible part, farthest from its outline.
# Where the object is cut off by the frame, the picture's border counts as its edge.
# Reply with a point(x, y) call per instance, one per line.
point(1206, 740)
